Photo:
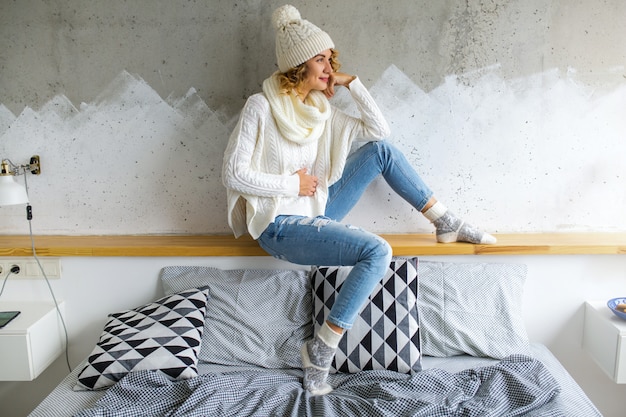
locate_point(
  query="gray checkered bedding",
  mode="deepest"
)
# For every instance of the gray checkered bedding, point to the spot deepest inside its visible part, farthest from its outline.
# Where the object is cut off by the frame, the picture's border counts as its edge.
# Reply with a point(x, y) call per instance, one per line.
point(515, 386)
point(239, 386)
point(570, 401)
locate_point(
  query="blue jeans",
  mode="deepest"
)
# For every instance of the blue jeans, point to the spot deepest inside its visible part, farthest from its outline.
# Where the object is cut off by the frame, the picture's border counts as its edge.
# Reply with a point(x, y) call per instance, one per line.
point(324, 241)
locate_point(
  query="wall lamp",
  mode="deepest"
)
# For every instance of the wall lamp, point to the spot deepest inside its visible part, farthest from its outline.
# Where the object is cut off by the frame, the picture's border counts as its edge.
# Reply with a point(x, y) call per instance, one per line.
point(11, 192)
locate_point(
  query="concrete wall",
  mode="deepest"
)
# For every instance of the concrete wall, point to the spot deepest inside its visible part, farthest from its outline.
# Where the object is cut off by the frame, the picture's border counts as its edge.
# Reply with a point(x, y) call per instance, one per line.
point(511, 110)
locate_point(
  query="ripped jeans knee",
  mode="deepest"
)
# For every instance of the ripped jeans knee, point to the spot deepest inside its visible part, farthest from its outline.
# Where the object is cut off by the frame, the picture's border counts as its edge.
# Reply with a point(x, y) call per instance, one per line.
point(321, 241)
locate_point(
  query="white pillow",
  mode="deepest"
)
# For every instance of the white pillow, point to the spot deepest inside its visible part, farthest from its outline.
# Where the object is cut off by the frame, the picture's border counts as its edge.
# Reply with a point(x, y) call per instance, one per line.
point(472, 308)
point(254, 317)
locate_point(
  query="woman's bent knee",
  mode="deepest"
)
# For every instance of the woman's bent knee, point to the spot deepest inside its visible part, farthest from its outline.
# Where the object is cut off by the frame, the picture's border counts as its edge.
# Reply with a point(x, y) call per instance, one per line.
point(380, 253)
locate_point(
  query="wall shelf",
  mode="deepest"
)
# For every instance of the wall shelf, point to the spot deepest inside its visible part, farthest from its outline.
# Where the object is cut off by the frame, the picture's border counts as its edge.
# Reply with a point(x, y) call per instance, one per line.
point(227, 245)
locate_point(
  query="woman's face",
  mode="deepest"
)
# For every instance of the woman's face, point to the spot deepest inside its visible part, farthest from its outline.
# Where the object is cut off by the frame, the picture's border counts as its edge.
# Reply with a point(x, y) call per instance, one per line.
point(317, 74)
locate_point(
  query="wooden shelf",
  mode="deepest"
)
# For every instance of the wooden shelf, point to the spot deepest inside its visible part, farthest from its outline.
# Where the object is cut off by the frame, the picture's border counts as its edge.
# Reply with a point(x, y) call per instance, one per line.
point(515, 244)
point(226, 245)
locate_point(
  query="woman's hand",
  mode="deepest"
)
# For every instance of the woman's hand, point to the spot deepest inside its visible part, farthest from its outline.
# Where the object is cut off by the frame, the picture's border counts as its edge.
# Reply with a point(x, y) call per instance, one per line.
point(308, 183)
point(337, 78)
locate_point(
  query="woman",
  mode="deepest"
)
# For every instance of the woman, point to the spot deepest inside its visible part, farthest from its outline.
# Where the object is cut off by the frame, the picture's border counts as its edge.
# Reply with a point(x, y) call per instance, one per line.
point(290, 179)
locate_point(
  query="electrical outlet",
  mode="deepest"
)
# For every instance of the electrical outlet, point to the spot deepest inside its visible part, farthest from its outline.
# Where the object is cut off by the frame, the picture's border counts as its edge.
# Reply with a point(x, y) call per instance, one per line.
point(20, 266)
point(29, 268)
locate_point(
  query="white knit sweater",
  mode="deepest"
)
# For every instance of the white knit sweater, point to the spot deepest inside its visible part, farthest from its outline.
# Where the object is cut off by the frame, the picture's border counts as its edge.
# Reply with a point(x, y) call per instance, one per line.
point(259, 164)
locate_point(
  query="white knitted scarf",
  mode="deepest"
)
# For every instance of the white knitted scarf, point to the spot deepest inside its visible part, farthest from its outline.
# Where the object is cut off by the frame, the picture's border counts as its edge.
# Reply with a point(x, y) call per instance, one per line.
point(297, 121)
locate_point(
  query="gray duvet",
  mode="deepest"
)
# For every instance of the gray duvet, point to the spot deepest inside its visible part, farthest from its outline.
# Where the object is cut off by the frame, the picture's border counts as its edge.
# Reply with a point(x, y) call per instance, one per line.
point(515, 386)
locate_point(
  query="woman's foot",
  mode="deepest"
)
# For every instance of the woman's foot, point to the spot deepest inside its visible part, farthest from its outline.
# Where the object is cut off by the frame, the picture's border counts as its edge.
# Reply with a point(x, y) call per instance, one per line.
point(452, 229)
point(317, 355)
point(314, 375)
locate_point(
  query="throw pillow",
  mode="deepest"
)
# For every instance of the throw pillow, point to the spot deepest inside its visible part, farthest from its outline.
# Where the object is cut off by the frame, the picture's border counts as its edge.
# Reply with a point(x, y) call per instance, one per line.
point(256, 317)
point(472, 308)
point(385, 334)
point(163, 336)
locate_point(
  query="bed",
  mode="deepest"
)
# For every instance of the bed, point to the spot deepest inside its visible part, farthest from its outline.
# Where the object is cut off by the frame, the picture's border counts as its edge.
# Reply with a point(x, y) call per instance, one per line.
point(434, 339)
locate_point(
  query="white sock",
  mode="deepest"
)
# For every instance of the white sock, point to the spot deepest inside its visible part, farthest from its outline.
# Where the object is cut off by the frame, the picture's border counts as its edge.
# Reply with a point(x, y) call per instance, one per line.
point(329, 336)
point(435, 211)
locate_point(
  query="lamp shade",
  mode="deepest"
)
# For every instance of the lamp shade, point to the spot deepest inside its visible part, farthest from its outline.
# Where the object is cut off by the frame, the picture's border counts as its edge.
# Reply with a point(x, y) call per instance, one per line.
point(11, 192)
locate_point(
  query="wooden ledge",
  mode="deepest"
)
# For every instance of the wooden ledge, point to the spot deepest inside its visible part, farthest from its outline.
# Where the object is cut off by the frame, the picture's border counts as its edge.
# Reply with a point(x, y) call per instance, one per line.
point(222, 245)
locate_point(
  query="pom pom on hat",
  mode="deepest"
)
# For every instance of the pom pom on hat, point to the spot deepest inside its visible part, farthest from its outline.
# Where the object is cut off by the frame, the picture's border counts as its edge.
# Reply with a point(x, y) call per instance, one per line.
point(297, 39)
point(285, 15)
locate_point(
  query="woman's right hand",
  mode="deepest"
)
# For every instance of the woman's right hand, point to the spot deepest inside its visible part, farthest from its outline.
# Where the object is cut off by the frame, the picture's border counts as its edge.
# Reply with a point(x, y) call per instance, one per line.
point(337, 78)
point(308, 183)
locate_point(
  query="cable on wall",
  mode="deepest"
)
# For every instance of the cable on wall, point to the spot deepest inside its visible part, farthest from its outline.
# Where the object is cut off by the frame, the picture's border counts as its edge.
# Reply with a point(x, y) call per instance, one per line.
point(29, 216)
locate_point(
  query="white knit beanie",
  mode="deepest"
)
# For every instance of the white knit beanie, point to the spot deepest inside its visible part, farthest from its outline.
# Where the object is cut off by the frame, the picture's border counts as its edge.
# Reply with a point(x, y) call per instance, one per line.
point(297, 40)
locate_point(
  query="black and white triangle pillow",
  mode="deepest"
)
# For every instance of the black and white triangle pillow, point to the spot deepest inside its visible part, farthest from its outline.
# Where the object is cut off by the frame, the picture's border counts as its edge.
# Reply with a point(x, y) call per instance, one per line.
point(163, 336)
point(385, 335)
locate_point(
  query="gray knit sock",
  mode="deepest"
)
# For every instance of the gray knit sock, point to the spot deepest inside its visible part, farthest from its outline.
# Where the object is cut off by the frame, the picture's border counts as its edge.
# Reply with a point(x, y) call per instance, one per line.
point(452, 229)
point(317, 356)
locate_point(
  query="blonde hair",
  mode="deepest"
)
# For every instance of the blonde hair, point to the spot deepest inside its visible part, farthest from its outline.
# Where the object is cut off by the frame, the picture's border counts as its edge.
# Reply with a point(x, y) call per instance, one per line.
point(294, 77)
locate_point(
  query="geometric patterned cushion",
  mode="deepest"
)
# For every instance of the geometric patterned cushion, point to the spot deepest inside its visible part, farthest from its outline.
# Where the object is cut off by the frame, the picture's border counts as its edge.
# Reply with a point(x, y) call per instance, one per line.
point(386, 333)
point(472, 308)
point(164, 335)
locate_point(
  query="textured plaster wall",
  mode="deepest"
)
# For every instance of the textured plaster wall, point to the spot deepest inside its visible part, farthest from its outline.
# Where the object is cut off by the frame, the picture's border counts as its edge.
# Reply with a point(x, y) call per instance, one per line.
point(512, 111)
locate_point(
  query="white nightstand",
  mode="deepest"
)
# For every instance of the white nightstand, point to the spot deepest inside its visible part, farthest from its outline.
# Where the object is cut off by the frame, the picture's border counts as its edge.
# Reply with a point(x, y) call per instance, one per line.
point(32, 341)
point(604, 337)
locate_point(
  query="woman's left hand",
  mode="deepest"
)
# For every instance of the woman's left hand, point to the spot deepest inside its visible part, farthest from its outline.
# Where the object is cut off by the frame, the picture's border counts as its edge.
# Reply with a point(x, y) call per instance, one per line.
point(337, 78)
